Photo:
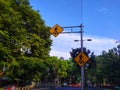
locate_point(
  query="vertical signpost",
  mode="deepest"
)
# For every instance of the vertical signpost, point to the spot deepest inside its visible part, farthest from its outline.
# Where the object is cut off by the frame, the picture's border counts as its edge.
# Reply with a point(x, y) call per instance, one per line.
point(82, 68)
point(81, 59)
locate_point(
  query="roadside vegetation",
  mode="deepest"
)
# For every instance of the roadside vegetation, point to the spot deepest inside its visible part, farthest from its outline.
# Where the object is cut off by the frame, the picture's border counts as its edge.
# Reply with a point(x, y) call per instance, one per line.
point(25, 45)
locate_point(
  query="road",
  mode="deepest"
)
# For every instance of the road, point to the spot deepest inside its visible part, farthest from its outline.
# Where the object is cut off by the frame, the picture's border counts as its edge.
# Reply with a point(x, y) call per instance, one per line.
point(75, 88)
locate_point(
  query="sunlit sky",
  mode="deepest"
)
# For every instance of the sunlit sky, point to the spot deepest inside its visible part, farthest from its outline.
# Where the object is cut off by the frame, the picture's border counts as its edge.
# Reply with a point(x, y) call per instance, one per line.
point(100, 19)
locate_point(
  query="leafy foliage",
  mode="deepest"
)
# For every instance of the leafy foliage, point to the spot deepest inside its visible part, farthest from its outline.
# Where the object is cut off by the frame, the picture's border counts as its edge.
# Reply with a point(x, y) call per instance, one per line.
point(24, 41)
point(107, 69)
point(57, 69)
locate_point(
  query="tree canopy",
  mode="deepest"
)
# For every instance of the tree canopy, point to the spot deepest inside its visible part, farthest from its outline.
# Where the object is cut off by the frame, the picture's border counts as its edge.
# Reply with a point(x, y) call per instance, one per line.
point(108, 66)
point(24, 40)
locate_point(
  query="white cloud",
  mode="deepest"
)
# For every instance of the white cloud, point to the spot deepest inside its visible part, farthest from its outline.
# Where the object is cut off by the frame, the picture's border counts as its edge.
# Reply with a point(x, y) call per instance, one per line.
point(99, 44)
point(63, 44)
point(60, 54)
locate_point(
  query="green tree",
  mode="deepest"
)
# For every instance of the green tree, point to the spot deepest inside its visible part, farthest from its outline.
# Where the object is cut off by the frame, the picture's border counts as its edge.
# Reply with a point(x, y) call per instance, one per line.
point(24, 40)
point(108, 64)
point(57, 69)
point(112, 65)
point(73, 71)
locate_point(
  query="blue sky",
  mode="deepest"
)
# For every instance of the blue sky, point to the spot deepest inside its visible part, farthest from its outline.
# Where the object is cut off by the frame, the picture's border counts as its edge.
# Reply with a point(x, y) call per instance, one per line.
point(99, 17)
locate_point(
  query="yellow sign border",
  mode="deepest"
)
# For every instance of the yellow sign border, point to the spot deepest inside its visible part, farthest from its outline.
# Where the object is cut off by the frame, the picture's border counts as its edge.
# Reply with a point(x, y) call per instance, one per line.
point(56, 30)
point(81, 59)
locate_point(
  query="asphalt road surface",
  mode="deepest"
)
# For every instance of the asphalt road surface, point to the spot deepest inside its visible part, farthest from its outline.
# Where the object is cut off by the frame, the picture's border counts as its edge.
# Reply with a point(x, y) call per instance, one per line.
point(75, 88)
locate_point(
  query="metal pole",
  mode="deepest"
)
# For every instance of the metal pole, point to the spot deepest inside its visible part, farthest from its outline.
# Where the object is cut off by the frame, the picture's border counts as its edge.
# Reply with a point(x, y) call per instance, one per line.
point(82, 68)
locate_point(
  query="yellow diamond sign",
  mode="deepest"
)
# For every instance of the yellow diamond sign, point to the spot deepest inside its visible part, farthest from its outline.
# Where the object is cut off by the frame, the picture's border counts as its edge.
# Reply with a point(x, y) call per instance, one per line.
point(56, 30)
point(81, 59)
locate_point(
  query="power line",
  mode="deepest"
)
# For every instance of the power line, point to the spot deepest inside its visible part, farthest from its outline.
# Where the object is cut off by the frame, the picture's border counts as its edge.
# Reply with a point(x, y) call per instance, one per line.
point(81, 11)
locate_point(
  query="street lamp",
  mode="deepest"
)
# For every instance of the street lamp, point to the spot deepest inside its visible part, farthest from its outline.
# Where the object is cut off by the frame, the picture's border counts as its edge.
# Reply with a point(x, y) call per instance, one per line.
point(83, 40)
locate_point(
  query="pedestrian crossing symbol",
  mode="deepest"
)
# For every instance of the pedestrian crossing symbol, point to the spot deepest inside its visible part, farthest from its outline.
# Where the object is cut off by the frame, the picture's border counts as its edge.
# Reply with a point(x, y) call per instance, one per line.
point(81, 59)
point(56, 30)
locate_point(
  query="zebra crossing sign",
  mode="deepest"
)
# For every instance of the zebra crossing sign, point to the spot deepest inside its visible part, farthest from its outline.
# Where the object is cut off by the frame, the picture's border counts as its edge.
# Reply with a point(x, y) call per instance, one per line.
point(56, 30)
point(81, 59)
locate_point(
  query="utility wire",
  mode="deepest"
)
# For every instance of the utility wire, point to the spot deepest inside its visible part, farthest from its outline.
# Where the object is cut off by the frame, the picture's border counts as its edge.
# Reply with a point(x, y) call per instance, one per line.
point(81, 11)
